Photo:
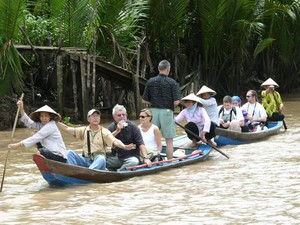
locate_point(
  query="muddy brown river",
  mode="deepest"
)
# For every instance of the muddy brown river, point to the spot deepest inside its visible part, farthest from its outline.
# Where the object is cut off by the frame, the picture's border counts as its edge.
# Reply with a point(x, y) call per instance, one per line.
point(259, 184)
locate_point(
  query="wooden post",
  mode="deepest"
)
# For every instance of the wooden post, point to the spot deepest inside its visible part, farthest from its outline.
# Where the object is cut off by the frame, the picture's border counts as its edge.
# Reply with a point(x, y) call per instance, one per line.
point(85, 105)
point(136, 84)
point(60, 85)
point(75, 96)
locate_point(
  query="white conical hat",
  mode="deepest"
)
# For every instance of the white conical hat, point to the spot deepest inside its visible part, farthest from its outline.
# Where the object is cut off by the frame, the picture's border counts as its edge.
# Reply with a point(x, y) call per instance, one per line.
point(36, 114)
point(192, 97)
point(206, 89)
point(269, 82)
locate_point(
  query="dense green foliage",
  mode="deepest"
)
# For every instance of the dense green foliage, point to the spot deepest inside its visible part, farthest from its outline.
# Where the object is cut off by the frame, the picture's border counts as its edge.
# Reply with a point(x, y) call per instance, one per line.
point(229, 45)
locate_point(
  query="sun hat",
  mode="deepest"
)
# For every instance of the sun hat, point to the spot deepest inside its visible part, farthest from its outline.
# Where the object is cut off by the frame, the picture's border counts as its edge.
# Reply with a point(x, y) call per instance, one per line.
point(269, 82)
point(92, 111)
point(36, 114)
point(192, 97)
point(205, 89)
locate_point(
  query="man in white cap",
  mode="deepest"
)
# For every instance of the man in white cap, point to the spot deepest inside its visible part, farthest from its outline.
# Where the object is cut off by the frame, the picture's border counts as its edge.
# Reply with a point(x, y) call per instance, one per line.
point(95, 139)
point(271, 100)
point(48, 135)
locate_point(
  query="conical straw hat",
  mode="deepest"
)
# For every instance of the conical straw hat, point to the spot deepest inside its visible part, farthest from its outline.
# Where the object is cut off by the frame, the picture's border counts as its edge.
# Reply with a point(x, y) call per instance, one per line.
point(206, 89)
point(192, 97)
point(269, 82)
point(36, 114)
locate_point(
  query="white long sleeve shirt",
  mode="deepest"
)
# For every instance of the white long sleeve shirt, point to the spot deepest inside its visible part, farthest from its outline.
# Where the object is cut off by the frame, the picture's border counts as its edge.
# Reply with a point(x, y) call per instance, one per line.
point(48, 135)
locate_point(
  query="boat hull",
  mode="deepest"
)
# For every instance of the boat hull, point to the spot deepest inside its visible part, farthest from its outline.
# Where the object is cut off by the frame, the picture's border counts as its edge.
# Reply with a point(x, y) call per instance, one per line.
point(57, 173)
point(228, 137)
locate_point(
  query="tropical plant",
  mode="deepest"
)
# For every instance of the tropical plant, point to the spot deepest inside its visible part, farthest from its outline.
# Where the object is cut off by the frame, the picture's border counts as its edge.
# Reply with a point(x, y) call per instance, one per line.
point(11, 13)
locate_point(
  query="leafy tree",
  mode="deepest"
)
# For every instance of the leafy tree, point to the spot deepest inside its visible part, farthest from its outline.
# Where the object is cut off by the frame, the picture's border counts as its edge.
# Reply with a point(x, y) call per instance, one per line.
point(11, 13)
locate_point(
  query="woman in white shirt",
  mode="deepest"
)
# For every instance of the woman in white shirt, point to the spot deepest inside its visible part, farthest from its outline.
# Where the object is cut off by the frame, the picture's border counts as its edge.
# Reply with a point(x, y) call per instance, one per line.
point(150, 132)
point(48, 135)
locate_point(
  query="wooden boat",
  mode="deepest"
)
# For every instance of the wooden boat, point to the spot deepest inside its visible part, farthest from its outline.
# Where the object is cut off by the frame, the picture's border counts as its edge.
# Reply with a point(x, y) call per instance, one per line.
point(57, 173)
point(228, 137)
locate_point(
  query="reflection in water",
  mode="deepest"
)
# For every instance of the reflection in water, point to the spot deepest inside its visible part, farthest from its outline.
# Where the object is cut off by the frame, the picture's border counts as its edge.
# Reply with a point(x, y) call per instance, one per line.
point(259, 184)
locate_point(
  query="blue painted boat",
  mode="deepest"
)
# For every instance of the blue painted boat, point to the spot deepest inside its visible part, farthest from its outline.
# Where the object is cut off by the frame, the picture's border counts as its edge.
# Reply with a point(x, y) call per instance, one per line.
point(228, 137)
point(57, 173)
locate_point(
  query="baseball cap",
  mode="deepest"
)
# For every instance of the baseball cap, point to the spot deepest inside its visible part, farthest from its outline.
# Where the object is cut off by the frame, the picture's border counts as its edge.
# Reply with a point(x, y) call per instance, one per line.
point(92, 111)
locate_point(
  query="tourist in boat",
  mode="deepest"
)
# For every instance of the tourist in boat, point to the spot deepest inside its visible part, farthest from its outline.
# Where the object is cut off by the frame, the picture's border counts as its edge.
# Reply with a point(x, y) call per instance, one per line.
point(209, 103)
point(271, 100)
point(162, 93)
point(197, 119)
point(151, 133)
point(230, 116)
point(256, 112)
point(47, 136)
point(237, 102)
point(127, 132)
point(95, 140)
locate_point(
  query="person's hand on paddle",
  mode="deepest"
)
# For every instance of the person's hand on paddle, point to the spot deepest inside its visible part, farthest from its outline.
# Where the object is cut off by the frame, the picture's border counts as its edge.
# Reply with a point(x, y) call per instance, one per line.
point(20, 104)
point(15, 145)
point(203, 138)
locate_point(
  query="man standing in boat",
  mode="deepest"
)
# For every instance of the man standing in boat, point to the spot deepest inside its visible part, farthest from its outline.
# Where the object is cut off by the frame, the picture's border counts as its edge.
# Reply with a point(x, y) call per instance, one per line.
point(162, 93)
point(95, 139)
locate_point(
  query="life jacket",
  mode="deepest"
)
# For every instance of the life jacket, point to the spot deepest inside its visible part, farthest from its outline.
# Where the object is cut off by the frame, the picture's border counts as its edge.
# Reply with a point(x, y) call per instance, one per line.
point(233, 110)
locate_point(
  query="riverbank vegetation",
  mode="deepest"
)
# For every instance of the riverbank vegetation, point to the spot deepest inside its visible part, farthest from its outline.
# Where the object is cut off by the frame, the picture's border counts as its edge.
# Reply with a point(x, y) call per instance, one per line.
point(230, 45)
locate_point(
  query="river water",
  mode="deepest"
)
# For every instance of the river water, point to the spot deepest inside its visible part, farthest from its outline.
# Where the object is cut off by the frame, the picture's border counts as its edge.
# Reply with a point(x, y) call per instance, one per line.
point(259, 184)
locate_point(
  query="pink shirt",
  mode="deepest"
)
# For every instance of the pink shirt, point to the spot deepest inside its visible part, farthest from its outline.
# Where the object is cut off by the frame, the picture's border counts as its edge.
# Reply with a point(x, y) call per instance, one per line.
point(200, 118)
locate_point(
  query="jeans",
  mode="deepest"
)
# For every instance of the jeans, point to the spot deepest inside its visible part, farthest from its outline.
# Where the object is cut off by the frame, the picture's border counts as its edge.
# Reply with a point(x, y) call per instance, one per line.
point(99, 163)
point(120, 164)
point(49, 155)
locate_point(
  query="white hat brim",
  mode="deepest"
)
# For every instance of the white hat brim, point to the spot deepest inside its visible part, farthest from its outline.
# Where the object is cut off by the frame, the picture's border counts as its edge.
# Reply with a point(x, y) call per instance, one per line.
point(36, 114)
point(192, 97)
point(205, 89)
point(269, 82)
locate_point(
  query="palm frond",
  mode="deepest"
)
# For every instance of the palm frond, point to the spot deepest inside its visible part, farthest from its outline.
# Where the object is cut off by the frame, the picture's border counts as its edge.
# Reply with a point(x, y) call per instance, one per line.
point(11, 13)
point(11, 76)
point(74, 16)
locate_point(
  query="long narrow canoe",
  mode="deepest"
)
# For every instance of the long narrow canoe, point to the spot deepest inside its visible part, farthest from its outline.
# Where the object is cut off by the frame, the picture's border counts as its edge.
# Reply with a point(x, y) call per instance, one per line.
point(57, 173)
point(228, 137)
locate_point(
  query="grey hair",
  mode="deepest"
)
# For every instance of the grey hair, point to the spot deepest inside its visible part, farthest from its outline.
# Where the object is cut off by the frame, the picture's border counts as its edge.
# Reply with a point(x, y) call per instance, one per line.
point(163, 65)
point(118, 107)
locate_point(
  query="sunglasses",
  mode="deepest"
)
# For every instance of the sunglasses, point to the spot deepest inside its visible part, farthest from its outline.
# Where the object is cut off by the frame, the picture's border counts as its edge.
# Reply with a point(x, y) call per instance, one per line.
point(119, 115)
point(143, 117)
point(248, 96)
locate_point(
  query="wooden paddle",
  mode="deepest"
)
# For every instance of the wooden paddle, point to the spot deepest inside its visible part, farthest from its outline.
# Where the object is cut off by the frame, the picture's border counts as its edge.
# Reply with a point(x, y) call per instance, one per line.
point(12, 136)
point(196, 136)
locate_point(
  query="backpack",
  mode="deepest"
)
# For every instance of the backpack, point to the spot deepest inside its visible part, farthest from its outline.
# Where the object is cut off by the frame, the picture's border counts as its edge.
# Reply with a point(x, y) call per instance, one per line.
point(233, 109)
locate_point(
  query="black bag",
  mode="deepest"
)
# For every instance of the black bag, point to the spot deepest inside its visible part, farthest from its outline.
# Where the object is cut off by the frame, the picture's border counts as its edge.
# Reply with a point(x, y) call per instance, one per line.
point(156, 158)
point(276, 117)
